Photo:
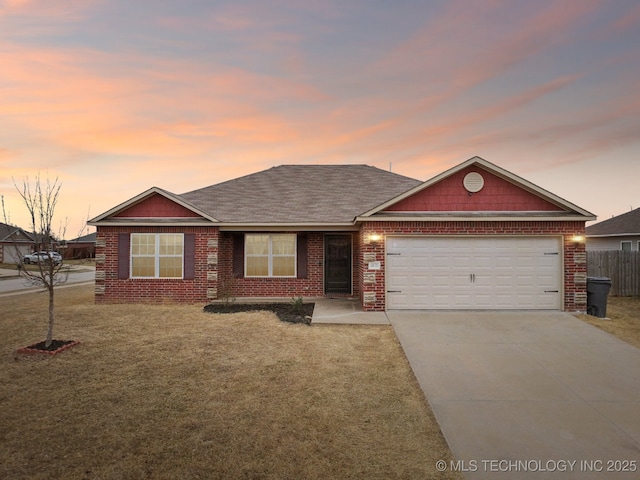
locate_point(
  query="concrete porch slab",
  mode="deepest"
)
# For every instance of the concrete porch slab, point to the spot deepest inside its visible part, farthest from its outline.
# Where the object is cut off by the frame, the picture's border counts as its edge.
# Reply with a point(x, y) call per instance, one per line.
point(346, 311)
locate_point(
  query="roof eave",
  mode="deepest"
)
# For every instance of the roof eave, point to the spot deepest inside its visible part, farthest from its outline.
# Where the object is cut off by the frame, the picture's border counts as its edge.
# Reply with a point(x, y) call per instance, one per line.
point(603, 235)
point(227, 226)
point(471, 217)
point(152, 222)
point(301, 226)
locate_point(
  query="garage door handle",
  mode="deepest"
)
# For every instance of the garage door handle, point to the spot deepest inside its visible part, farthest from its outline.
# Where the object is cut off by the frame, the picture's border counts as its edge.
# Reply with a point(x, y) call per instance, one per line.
point(394, 291)
point(552, 291)
point(551, 253)
point(388, 254)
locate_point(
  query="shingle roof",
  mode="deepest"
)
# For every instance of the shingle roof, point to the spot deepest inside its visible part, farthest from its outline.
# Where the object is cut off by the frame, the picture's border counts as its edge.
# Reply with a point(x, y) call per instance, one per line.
point(7, 231)
point(300, 194)
point(626, 223)
point(88, 238)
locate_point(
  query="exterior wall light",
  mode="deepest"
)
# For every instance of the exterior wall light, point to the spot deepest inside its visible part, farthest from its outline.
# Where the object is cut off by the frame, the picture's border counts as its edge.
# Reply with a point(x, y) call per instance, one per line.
point(578, 239)
point(375, 237)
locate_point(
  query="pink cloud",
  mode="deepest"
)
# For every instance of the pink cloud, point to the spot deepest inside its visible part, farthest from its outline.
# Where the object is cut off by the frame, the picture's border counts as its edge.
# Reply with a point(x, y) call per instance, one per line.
point(142, 106)
point(452, 54)
point(44, 8)
point(220, 22)
point(435, 99)
point(24, 18)
point(6, 154)
point(629, 20)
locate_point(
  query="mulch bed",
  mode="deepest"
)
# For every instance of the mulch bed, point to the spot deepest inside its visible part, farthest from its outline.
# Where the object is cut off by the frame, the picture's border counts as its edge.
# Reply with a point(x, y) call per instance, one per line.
point(285, 311)
point(56, 346)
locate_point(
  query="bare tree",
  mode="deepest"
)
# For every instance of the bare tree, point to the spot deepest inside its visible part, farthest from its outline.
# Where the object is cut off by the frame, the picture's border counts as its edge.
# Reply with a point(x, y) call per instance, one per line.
point(41, 199)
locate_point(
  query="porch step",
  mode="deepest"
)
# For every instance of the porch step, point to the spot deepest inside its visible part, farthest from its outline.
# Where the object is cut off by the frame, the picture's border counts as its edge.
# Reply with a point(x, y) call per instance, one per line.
point(345, 311)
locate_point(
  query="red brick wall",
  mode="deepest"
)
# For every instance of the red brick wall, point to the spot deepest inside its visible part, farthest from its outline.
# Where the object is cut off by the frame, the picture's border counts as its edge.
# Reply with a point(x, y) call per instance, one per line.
point(574, 270)
point(215, 263)
point(157, 206)
point(497, 195)
point(312, 286)
point(110, 289)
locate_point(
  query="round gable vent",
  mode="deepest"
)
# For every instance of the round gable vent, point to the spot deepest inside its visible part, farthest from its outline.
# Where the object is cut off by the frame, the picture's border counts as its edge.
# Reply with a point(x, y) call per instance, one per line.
point(473, 182)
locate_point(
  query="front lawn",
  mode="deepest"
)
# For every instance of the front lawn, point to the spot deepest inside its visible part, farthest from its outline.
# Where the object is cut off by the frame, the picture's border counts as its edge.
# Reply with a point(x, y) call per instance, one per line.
point(623, 319)
point(167, 392)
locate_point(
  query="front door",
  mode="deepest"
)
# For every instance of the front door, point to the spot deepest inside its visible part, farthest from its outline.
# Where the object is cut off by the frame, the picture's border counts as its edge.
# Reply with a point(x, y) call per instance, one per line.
point(337, 264)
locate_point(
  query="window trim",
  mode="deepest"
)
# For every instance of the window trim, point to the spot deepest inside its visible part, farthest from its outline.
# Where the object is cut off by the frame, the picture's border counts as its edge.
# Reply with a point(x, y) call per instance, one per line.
point(270, 256)
point(624, 242)
point(157, 257)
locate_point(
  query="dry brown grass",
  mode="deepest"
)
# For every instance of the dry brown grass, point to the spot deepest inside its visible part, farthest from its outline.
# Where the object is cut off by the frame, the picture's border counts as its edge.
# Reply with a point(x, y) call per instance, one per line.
point(172, 392)
point(623, 319)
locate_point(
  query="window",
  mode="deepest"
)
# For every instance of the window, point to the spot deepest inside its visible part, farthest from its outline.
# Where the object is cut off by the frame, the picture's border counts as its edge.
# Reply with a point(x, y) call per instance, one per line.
point(270, 255)
point(157, 255)
point(625, 246)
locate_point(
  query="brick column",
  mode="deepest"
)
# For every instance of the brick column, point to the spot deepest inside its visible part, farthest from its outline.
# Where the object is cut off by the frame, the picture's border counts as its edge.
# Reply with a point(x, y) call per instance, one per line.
point(212, 268)
point(372, 278)
point(575, 280)
point(101, 274)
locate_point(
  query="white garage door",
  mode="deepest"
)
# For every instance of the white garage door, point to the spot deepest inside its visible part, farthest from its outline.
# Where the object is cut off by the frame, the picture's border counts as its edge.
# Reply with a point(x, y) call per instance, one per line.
point(13, 253)
point(474, 273)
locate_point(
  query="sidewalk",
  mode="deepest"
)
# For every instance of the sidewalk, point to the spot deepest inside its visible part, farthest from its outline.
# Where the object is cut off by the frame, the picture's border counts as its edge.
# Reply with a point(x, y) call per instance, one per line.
point(7, 273)
point(13, 284)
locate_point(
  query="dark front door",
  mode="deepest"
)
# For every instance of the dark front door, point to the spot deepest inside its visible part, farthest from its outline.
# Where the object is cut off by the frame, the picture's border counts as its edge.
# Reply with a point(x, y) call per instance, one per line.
point(337, 264)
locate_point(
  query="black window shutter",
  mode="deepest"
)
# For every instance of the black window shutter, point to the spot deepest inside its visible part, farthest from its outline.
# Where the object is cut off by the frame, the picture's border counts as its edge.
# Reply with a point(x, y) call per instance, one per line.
point(123, 255)
point(238, 255)
point(302, 255)
point(189, 256)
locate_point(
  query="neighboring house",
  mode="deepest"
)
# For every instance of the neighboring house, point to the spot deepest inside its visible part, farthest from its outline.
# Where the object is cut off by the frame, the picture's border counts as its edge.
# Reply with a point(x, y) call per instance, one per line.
point(81, 247)
point(617, 233)
point(15, 243)
point(473, 237)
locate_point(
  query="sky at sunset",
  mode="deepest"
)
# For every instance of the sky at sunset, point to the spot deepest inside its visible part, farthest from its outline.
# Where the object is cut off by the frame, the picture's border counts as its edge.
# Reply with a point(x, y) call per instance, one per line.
point(114, 97)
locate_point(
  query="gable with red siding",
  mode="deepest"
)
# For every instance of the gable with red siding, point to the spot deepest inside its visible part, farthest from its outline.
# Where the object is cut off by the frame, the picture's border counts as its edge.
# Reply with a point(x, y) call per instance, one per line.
point(157, 206)
point(450, 195)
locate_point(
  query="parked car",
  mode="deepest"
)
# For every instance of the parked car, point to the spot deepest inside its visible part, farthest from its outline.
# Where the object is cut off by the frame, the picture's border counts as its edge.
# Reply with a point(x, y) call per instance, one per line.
point(44, 257)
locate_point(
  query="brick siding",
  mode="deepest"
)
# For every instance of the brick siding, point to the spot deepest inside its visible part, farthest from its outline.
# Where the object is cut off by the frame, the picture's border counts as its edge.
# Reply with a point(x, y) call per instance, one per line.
point(111, 289)
point(312, 286)
point(213, 271)
point(214, 264)
point(574, 267)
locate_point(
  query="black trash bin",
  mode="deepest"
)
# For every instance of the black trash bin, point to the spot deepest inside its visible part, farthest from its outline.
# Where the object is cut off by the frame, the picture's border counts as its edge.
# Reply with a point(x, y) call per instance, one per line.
point(597, 293)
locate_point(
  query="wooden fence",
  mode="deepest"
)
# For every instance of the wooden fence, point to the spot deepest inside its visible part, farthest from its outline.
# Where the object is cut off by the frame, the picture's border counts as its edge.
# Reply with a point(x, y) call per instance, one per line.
point(623, 268)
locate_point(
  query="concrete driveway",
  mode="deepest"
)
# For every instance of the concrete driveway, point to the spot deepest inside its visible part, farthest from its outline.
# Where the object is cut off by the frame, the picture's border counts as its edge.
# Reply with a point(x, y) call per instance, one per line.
point(527, 394)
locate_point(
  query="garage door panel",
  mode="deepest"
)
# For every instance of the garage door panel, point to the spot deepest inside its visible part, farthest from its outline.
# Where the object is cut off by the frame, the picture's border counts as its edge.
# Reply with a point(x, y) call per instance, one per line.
point(545, 262)
point(459, 263)
point(483, 261)
point(422, 281)
point(438, 302)
point(475, 272)
point(460, 301)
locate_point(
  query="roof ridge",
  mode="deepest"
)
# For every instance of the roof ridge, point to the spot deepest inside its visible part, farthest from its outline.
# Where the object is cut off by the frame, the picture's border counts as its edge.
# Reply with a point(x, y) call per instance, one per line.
point(275, 167)
point(319, 193)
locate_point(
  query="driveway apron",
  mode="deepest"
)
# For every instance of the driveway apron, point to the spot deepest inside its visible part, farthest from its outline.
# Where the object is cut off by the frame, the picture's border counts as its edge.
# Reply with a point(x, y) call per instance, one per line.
point(527, 394)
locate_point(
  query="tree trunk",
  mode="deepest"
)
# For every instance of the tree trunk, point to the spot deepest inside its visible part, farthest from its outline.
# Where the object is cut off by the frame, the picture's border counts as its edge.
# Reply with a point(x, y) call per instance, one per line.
point(51, 289)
